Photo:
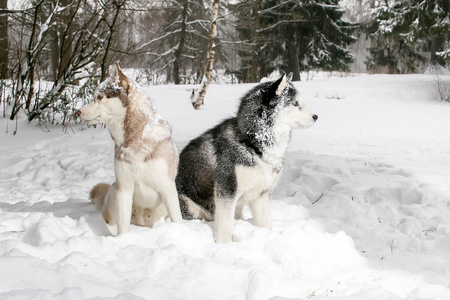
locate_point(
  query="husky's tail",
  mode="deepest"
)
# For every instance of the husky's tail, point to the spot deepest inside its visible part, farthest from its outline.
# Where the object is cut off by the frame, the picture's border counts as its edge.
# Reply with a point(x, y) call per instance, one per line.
point(98, 194)
point(191, 210)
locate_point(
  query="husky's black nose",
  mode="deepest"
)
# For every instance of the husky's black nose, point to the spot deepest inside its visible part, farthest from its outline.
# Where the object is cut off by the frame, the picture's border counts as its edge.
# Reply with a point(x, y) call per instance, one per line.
point(315, 117)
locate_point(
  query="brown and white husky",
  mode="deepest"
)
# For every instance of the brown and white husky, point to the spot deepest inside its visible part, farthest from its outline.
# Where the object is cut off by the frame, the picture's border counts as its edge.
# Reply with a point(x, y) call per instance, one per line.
point(145, 157)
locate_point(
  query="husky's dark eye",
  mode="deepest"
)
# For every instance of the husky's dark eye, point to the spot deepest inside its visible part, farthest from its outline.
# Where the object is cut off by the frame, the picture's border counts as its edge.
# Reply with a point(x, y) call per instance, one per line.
point(99, 97)
point(295, 103)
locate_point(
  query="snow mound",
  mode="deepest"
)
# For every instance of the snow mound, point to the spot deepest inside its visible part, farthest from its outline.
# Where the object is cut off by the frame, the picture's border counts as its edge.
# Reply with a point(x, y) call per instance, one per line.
point(360, 212)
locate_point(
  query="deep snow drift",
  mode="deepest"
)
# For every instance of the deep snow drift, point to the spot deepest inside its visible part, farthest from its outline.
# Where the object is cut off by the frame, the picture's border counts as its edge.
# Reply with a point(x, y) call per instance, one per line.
point(361, 211)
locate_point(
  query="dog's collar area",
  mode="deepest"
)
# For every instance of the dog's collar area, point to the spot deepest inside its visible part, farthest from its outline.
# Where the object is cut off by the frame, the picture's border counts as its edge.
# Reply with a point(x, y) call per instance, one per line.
point(252, 146)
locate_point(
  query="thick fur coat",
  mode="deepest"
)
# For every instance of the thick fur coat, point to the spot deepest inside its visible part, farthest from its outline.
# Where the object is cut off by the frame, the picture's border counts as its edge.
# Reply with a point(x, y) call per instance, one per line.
point(239, 161)
point(145, 157)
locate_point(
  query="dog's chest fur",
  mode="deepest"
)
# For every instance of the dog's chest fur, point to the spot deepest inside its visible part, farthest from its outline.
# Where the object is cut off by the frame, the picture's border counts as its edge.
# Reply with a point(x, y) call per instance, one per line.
point(256, 179)
point(138, 135)
point(142, 139)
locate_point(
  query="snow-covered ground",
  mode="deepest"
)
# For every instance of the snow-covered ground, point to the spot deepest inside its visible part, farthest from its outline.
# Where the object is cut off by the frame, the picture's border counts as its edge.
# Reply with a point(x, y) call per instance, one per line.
point(361, 211)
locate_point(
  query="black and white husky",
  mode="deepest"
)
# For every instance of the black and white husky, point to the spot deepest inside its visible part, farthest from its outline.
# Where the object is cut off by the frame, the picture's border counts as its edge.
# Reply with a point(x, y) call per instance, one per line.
point(239, 161)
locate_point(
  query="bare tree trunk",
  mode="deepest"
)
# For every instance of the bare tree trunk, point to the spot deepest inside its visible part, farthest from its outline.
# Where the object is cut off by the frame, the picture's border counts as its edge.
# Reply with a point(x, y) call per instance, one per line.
point(255, 41)
point(54, 52)
point(293, 62)
point(31, 58)
point(210, 57)
point(112, 27)
point(179, 50)
point(389, 58)
point(3, 40)
point(66, 36)
point(437, 44)
point(61, 33)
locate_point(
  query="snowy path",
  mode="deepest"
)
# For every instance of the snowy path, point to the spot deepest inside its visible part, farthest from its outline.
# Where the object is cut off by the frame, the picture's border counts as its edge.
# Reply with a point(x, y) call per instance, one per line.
point(361, 212)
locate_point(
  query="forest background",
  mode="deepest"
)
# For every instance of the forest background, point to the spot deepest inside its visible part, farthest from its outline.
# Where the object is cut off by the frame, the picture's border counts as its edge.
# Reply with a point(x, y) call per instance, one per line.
point(53, 53)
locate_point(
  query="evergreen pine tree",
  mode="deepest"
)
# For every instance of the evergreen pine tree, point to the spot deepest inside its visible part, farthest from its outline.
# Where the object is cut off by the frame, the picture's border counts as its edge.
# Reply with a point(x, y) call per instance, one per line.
point(294, 35)
point(391, 51)
point(247, 26)
point(331, 35)
point(403, 30)
point(429, 21)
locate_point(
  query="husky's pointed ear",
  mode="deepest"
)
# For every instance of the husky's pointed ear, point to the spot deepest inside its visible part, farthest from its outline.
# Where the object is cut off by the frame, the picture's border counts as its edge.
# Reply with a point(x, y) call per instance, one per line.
point(114, 70)
point(289, 77)
point(117, 75)
point(279, 85)
point(274, 90)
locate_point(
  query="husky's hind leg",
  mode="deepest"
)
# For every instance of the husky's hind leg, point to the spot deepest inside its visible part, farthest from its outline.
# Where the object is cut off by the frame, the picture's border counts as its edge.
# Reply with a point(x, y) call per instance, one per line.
point(169, 197)
point(224, 219)
point(160, 211)
point(260, 208)
point(239, 211)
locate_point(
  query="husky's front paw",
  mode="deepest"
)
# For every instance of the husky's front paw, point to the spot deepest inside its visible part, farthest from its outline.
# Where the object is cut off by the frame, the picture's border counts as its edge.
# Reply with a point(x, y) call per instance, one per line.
point(223, 240)
point(223, 236)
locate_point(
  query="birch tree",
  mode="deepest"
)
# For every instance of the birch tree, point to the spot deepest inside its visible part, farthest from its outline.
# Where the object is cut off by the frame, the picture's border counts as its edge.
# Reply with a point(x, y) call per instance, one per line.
point(210, 56)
